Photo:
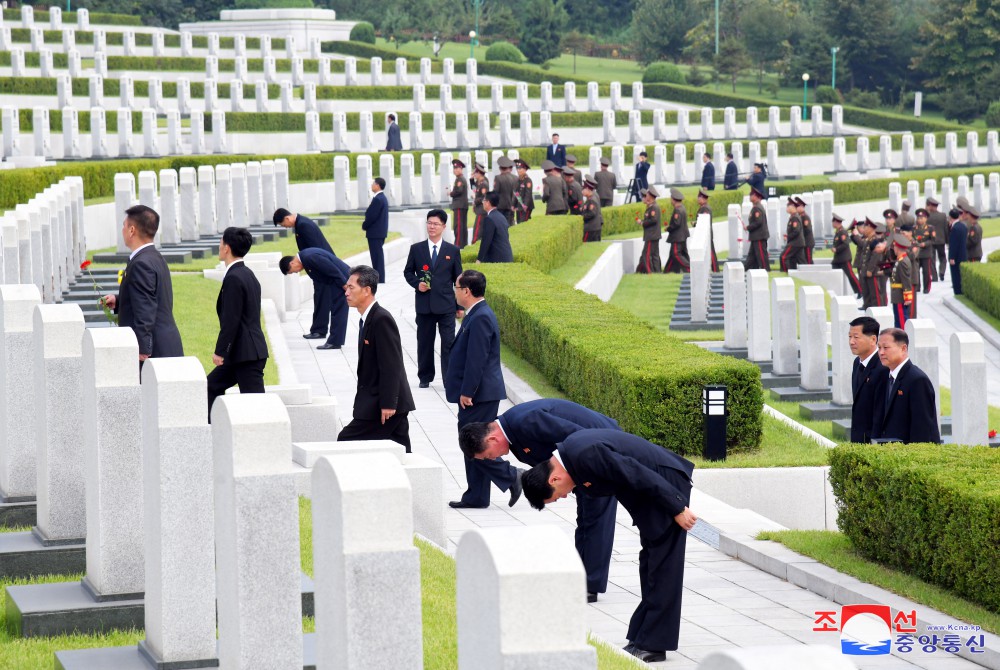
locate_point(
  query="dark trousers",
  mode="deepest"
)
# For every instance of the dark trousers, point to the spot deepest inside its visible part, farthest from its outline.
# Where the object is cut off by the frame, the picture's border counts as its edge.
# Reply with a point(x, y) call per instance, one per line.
point(956, 277)
point(656, 622)
point(650, 260)
point(875, 292)
point(678, 261)
point(249, 375)
point(477, 227)
point(321, 308)
point(509, 215)
point(395, 428)
point(338, 316)
point(523, 214)
point(460, 218)
point(927, 274)
point(607, 202)
point(757, 256)
point(426, 323)
point(715, 258)
point(942, 257)
point(809, 255)
point(592, 236)
point(852, 278)
point(378, 258)
point(595, 537)
point(900, 314)
point(480, 472)
point(789, 259)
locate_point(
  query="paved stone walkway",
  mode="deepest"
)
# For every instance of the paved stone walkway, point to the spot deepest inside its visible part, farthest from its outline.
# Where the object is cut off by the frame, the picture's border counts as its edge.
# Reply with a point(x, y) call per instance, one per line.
point(727, 603)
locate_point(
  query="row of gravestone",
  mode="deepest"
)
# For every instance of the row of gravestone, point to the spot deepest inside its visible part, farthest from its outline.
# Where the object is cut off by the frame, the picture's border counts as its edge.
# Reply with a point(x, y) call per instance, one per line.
point(984, 193)
point(819, 207)
point(55, 18)
point(908, 159)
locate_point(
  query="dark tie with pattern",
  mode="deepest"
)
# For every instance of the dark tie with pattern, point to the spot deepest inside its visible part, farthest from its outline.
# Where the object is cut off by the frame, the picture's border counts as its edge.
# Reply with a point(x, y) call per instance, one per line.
point(434, 256)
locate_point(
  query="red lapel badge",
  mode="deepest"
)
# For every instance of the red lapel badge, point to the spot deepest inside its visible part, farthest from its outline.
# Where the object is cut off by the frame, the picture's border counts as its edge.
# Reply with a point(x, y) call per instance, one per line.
point(366, 341)
point(586, 483)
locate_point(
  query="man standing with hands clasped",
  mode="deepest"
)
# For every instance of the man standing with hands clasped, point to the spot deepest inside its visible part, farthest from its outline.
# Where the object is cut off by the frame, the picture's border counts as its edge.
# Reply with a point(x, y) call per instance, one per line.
point(376, 226)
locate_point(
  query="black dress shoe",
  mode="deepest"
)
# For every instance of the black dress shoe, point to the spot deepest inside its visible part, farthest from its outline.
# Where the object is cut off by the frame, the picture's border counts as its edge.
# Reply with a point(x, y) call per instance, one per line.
point(645, 655)
point(628, 648)
point(591, 597)
point(425, 385)
point(328, 346)
point(515, 490)
point(461, 504)
point(313, 336)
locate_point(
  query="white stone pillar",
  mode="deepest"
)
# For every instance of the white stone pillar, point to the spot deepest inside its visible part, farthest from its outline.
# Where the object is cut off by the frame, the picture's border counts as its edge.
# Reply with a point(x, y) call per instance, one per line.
point(924, 352)
point(759, 316)
point(150, 137)
point(812, 343)
point(837, 120)
point(569, 96)
point(734, 291)
point(862, 155)
point(17, 361)
point(951, 149)
point(783, 327)
point(546, 96)
point(885, 152)
point(774, 121)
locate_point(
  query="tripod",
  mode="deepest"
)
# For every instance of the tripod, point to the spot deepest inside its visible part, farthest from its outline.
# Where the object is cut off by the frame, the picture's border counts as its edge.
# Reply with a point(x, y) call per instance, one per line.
point(633, 192)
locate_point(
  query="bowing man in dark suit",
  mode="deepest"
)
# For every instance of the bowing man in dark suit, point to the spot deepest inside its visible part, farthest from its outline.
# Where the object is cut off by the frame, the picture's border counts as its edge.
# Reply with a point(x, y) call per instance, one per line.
point(494, 245)
point(145, 299)
point(393, 142)
point(530, 431)
point(309, 236)
point(907, 408)
point(328, 274)
point(440, 263)
point(475, 381)
point(383, 398)
point(868, 377)
point(376, 226)
point(556, 152)
point(654, 485)
point(240, 350)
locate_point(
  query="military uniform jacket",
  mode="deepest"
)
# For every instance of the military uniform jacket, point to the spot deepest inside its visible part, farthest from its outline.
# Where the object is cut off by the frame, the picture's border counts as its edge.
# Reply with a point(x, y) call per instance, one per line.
point(874, 259)
point(525, 187)
point(505, 184)
point(793, 232)
point(974, 242)
point(482, 186)
point(924, 239)
point(554, 194)
point(651, 223)
point(807, 231)
point(939, 222)
point(901, 282)
point(574, 197)
point(606, 184)
point(841, 247)
point(460, 193)
point(862, 243)
point(677, 229)
point(757, 228)
point(904, 218)
point(592, 218)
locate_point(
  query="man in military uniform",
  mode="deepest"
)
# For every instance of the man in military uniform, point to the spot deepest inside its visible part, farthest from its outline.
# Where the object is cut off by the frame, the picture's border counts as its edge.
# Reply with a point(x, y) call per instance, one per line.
point(460, 204)
point(677, 235)
point(842, 254)
point(865, 231)
point(875, 267)
point(891, 220)
point(907, 229)
point(480, 186)
point(703, 208)
point(939, 222)
point(901, 283)
point(794, 243)
point(904, 214)
point(924, 238)
point(649, 262)
point(574, 192)
point(554, 192)
point(809, 241)
point(757, 234)
point(974, 241)
point(505, 185)
point(571, 164)
point(606, 182)
point(593, 221)
point(524, 198)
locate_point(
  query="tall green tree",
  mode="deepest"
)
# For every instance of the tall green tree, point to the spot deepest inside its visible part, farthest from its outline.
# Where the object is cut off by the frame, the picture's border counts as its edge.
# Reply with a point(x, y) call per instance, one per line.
point(541, 26)
point(961, 45)
point(659, 29)
point(766, 29)
point(867, 39)
point(733, 60)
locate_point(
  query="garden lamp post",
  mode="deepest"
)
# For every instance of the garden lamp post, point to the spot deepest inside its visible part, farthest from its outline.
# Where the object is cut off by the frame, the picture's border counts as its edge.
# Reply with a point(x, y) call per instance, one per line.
point(713, 407)
point(472, 44)
point(833, 76)
point(477, 5)
point(805, 96)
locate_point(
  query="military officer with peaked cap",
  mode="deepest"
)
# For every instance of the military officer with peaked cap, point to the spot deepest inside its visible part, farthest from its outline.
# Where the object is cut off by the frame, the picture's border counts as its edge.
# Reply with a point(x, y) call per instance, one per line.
point(606, 182)
point(677, 235)
point(649, 261)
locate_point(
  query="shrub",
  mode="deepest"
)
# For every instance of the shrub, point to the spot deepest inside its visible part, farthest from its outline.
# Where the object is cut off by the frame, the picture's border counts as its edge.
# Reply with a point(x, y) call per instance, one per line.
point(928, 510)
point(696, 77)
point(829, 95)
point(363, 32)
point(505, 52)
point(663, 73)
point(993, 115)
point(981, 284)
point(994, 257)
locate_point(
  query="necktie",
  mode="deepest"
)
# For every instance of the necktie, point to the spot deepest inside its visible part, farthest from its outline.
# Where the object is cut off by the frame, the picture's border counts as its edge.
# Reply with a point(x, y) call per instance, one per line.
point(888, 392)
point(361, 337)
point(434, 256)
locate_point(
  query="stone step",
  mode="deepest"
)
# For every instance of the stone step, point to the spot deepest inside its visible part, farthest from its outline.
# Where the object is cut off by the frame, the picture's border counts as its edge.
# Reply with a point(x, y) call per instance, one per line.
point(769, 380)
point(799, 394)
point(823, 411)
point(121, 259)
point(696, 325)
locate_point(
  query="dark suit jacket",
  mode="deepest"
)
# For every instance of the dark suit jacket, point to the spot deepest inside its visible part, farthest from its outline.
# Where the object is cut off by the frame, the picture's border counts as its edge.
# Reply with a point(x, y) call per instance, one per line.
point(956, 242)
point(308, 235)
point(868, 387)
point(376, 223)
point(651, 482)
point(323, 267)
point(393, 143)
point(441, 298)
point(708, 176)
point(732, 180)
point(494, 245)
point(381, 377)
point(641, 172)
point(534, 428)
point(911, 413)
point(238, 306)
point(558, 155)
point(474, 365)
point(145, 304)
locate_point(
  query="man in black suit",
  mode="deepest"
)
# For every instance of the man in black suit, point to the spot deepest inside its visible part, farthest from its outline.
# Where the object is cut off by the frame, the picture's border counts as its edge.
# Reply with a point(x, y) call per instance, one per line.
point(475, 381)
point(868, 377)
point(530, 431)
point(731, 181)
point(641, 175)
point(556, 152)
point(145, 299)
point(393, 143)
point(654, 485)
point(308, 236)
point(376, 226)
point(431, 269)
point(494, 245)
point(708, 173)
point(328, 274)
point(240, 350)
point(957, 251)
point(906, 412)
point(383, 398)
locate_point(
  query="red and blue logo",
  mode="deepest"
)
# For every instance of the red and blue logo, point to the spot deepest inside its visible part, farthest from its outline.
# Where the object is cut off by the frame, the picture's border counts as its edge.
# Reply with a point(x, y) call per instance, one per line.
point(865, 630)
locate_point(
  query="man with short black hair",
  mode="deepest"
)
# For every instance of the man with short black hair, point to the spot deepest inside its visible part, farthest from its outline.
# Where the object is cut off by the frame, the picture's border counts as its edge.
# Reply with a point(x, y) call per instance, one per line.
point(383, 400)
point(308, 236)
point(707, 173)
point(939, 222)
point(641, 179)
point(241, 349)
point(556, 152)
point(145, 298)
point(957, 251)
point(494, 247)
point(328, 274)
point(376, 226)
point(393, 143)
point(731, 182)
point(867, 377)
point(907, 411)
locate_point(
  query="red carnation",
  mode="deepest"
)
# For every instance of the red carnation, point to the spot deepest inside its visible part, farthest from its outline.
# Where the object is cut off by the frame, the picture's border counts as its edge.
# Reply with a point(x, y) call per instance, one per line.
point(84, 265)
point(993, 434)
point(427, 267)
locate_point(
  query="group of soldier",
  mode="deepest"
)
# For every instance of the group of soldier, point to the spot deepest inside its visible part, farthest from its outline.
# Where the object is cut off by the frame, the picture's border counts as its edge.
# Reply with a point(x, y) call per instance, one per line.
point(677, 231)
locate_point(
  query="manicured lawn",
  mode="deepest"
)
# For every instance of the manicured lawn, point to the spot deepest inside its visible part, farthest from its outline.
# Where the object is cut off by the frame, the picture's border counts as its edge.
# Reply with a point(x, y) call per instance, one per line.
point(835, 550)
point(780, 446)
point(652, 297)
point(579, 264)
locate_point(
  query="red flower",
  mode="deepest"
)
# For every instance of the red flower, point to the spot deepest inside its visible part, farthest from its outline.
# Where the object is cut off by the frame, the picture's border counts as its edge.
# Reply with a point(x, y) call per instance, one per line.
point(993, 434)
point(427, 267)
point(84, 265)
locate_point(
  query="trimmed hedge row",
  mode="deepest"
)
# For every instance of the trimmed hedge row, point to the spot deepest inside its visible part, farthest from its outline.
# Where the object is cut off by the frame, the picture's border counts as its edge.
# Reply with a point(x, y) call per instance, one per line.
point(929, 510)
point(69, 18)
point(981, 284)
point(365, 50)
point(622, 219)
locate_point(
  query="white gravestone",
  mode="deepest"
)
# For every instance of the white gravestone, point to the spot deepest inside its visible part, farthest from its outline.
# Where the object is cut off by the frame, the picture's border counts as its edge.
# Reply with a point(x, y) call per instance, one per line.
point(17, 360)
point(783, 327)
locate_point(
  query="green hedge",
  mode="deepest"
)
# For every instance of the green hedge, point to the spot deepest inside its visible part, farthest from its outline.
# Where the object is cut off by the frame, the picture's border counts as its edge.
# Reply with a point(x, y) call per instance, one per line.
point(69, 18)
point(994, 257)
point(364, 50)
point(981, 284)
point(929, 510)
point(622, 219)
point(27, 123)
